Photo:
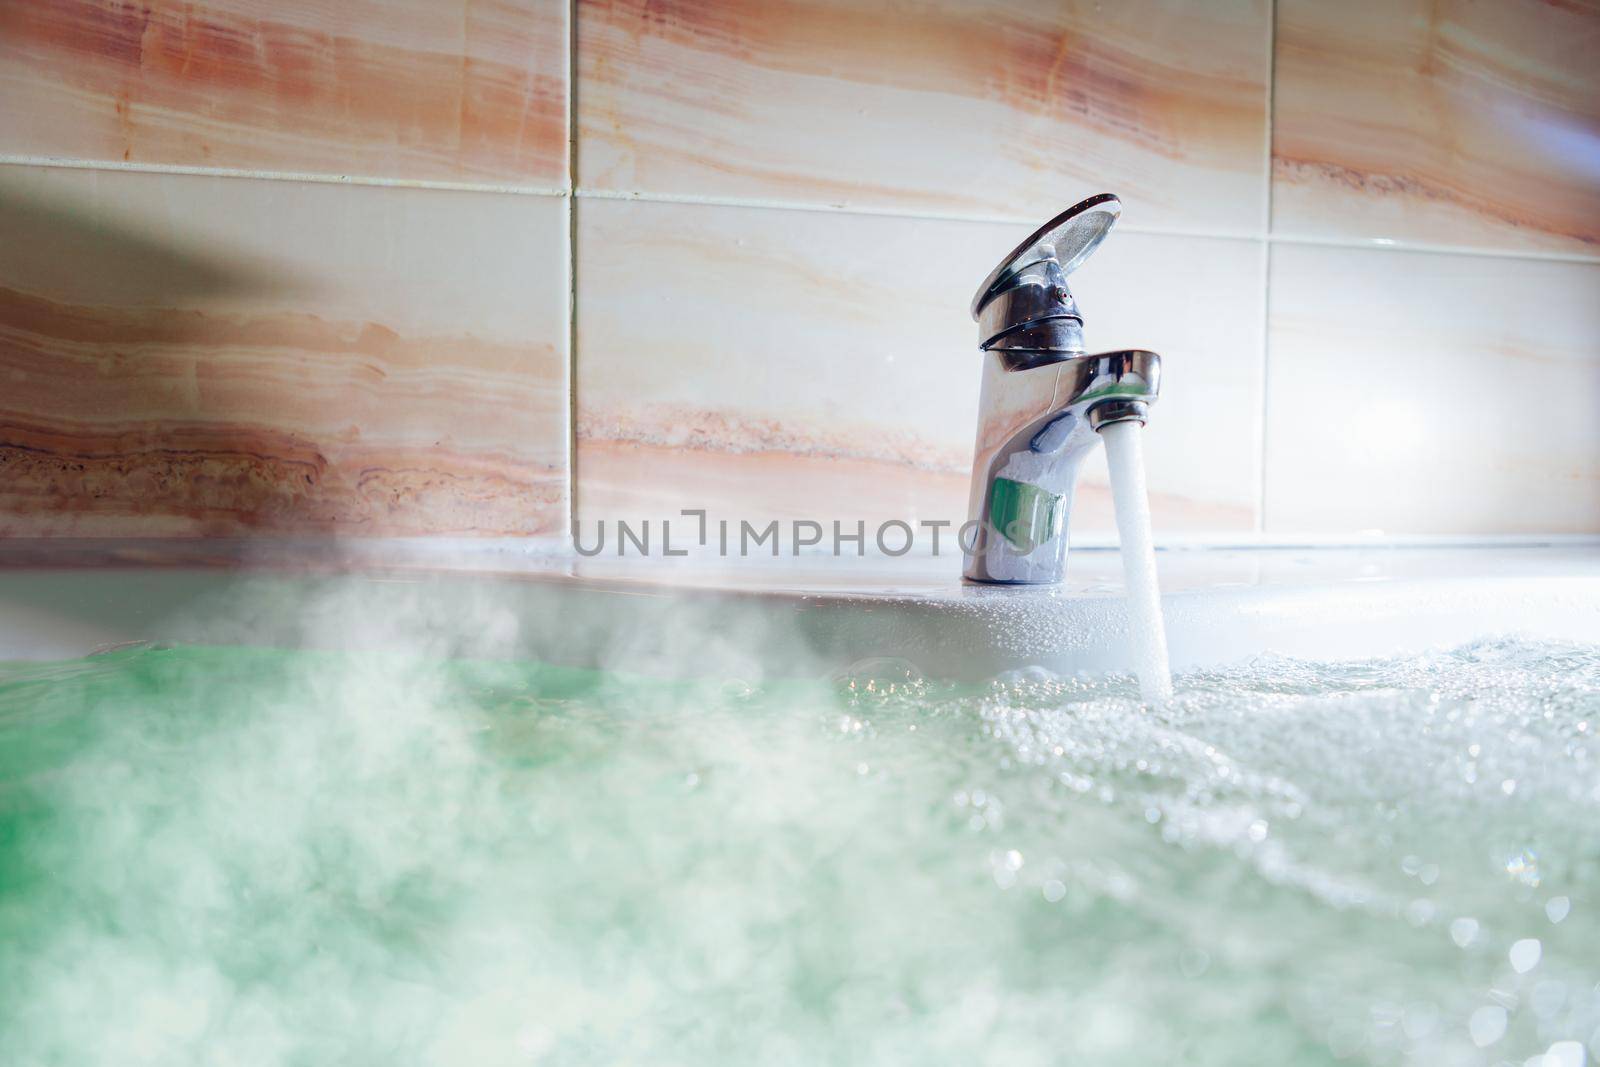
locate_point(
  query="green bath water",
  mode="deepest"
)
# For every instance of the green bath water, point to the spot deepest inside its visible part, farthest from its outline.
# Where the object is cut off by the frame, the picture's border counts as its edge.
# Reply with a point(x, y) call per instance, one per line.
point(237, 856)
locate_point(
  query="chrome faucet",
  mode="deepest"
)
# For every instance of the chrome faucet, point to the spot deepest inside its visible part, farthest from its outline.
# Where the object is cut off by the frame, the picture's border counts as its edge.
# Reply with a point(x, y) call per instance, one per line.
point(1043, 399)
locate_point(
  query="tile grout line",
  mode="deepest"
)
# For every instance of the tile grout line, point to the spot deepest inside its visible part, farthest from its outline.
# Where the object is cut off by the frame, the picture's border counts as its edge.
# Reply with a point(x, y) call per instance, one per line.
point(1266, 272)
point(311, 177)
point(1431, 249)
point(1264, 234)
point(572, 272)
point(872, 211)
point(575, 193)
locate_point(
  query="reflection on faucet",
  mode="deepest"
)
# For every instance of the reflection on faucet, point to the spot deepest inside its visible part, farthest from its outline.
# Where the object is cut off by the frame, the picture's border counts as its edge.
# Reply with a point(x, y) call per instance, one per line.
point(1043, 399)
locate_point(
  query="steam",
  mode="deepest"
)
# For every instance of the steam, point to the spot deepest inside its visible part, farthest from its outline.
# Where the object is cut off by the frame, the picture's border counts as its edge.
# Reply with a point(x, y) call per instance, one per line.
point(408, 843)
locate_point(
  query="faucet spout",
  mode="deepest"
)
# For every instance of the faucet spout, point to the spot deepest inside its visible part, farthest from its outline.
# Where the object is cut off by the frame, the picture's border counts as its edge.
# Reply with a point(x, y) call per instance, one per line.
point(1038, 421)
point(1043, 400)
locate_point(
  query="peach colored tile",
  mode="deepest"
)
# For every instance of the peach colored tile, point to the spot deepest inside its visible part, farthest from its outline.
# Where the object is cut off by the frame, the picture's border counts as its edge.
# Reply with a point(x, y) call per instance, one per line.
point(419, 89)
point(783, 362)
point(999, 108)
point(1452, 122)
point(772, 364)
point(1198, 302)
point(1414, 393)
point(189, 355)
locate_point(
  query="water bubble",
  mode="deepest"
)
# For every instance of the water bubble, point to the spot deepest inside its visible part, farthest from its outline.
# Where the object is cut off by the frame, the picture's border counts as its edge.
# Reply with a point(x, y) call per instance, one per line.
point(1547, 998)
point(1524, 867)
point(882, 677)
point(1053, 890)
point(1031, 675)
point(1556, 908)
point(1487, 1025)
point(1464, 931)
point(1525, 954)
point(1563, 1054)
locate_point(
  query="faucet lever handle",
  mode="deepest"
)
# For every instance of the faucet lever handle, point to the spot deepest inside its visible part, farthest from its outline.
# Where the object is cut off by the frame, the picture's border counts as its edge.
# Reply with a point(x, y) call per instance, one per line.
point(1068, 239)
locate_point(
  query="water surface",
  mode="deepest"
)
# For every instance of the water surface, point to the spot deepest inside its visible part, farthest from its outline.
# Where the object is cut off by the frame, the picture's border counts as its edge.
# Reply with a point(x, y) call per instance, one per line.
point(230, 855)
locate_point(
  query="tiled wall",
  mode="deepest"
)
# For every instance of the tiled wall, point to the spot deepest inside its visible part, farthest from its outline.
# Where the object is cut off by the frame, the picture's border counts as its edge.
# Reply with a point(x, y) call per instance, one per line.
point(472, 267)
point(204, 331)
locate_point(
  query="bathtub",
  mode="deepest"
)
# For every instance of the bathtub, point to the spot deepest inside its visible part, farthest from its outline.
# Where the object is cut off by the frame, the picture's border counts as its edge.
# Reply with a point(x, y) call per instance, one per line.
point(384, 803)
point(774, 618)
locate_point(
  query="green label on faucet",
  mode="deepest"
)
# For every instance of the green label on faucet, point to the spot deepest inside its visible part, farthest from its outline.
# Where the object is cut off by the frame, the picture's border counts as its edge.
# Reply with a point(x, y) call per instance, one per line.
point(1026, 515)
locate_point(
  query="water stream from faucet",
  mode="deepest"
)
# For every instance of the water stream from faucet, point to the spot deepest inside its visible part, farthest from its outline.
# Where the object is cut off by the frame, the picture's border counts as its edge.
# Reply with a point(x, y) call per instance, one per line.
point(1125, 457)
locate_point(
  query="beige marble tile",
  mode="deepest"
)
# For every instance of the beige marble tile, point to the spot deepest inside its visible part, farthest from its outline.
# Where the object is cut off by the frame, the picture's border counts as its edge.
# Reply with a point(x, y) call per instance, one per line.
point(1412, 393)
point(1198, 302)
point(996, 108)
point(188, 355)
point(770, 364)
point(421, 89)
point(1453, 122)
